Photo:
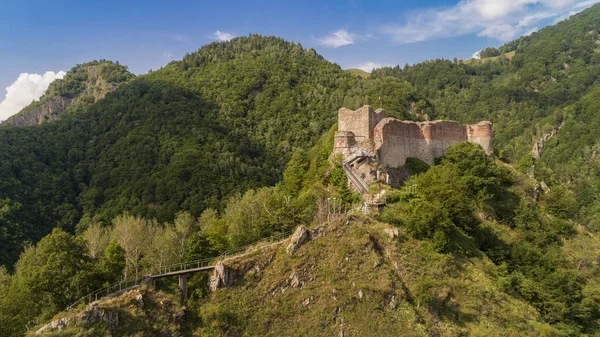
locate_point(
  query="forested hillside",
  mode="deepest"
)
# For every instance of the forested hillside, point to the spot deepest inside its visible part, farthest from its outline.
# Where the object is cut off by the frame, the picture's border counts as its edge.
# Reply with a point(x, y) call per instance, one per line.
point(221, 121)
point(549, 87)
point(231, 144)
point(470, 252)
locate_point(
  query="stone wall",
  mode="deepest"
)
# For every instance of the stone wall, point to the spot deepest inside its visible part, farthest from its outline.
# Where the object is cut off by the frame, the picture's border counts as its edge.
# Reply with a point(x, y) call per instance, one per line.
point(481, 133)
point(360, 122)
point(396, 140)
point(343, 142)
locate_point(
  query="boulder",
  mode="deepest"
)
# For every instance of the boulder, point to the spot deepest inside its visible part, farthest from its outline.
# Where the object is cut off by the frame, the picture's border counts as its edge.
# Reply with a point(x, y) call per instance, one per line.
point(222, 276)
point(299, 237)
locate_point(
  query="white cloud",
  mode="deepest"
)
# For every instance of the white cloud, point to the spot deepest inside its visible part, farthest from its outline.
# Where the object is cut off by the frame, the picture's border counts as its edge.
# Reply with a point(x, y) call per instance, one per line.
point(499, 19)
point(503, 32)
point(222, 36)
point(338, 39)
point(369, 66)
point(531, 31)
point(27, 88)
point(476, 55)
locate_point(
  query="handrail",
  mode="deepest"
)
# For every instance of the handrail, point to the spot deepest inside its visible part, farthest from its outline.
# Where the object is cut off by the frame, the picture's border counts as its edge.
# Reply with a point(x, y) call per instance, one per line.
point(360, 185)
point(128, 284)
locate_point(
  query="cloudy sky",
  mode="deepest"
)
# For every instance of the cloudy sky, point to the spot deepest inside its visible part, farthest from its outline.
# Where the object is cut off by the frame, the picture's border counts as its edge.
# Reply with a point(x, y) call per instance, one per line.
point(40, 39)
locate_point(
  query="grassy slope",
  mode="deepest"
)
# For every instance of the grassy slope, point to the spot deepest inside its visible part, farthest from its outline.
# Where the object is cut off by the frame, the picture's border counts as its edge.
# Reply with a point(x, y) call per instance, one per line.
point(136, 313)
point(359, 72)
point(354, 279)
point(406, 290)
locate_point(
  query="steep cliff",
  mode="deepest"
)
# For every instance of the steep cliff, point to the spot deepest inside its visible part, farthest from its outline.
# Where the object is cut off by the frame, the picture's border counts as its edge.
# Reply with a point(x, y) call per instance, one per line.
point(84, 84)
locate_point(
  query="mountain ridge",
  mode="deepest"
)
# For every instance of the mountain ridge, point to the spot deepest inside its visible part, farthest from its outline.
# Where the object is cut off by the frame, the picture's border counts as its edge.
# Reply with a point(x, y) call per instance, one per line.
point(82, 85)
point(233, 143)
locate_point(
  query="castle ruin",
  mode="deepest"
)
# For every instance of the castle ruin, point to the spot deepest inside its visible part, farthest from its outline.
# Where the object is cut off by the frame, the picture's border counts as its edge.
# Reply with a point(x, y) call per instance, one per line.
point(375, 147)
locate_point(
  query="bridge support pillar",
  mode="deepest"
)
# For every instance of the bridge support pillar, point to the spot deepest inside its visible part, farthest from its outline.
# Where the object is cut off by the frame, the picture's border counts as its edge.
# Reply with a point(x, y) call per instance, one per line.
point(183, 285)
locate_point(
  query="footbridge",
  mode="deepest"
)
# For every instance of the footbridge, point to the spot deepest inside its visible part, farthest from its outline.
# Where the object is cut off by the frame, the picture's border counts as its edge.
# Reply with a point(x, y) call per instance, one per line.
point(181, 270)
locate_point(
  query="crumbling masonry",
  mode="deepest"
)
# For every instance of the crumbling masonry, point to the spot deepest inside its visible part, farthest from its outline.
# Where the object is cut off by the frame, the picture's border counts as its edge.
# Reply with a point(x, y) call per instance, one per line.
point(375, 147)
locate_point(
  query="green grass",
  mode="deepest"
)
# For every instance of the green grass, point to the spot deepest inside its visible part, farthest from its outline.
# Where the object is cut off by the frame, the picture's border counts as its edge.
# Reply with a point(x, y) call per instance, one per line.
point(359, 72)
point(354, 278)
point(407, 290)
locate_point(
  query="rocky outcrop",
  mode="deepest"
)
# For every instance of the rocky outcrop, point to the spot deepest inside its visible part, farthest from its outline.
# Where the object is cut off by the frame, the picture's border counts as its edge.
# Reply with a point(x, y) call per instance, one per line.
point(54, 326)
point(222, 277)
point(92, 315)
point(538, 146)
point(47, 112)
point(539, 189)
point(300, 236)
point(139, 310)
point(95, 314)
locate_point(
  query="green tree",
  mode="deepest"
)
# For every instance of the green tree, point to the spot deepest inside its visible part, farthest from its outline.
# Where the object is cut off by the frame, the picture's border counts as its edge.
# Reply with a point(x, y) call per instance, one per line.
point(112, 264)
point(293, 176)
point(215, 230)
point(180, 232)
point(133, 235)
point(48, 277)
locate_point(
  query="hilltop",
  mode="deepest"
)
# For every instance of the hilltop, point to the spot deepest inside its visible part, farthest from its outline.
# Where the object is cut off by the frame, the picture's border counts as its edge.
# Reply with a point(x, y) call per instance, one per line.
point(233, 143)
point(223, 120)
point(352, 278)
point(440, 261)
point(84, 84)
point(359, 72)
point(542, 102)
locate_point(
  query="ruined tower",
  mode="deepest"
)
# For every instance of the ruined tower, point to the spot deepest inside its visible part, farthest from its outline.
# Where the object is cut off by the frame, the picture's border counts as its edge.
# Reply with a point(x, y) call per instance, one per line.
point(390, 141)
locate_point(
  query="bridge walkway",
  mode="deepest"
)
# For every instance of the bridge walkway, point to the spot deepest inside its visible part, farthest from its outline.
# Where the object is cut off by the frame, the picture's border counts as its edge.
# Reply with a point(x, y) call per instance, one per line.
point(179, 269)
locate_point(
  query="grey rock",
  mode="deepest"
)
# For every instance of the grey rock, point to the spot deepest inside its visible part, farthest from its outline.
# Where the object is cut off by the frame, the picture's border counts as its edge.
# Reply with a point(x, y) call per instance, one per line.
point(299, 237)
point(222, 277)
point(47, 112)
point(94, 314)
point(54, 326)
point(295, 281)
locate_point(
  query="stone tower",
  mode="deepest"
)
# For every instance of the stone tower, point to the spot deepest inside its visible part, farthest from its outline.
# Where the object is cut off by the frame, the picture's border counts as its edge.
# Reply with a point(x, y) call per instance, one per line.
point(387, 142)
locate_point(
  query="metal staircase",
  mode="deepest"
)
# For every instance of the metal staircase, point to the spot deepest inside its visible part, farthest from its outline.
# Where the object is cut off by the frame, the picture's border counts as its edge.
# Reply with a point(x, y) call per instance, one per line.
point(357, 181)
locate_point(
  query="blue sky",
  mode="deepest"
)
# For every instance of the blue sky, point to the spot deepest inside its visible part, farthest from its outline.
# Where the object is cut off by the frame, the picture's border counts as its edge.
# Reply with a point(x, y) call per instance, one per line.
point(38, 36)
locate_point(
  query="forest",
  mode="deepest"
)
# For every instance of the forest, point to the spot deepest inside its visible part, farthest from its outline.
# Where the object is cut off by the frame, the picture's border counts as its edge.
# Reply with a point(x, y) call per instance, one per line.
point(225, 119)
point(231, 144)
point(550, 84)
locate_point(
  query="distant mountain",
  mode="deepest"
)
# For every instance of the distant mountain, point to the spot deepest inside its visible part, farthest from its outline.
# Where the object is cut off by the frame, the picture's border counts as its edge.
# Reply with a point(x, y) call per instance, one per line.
point(84, 84)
